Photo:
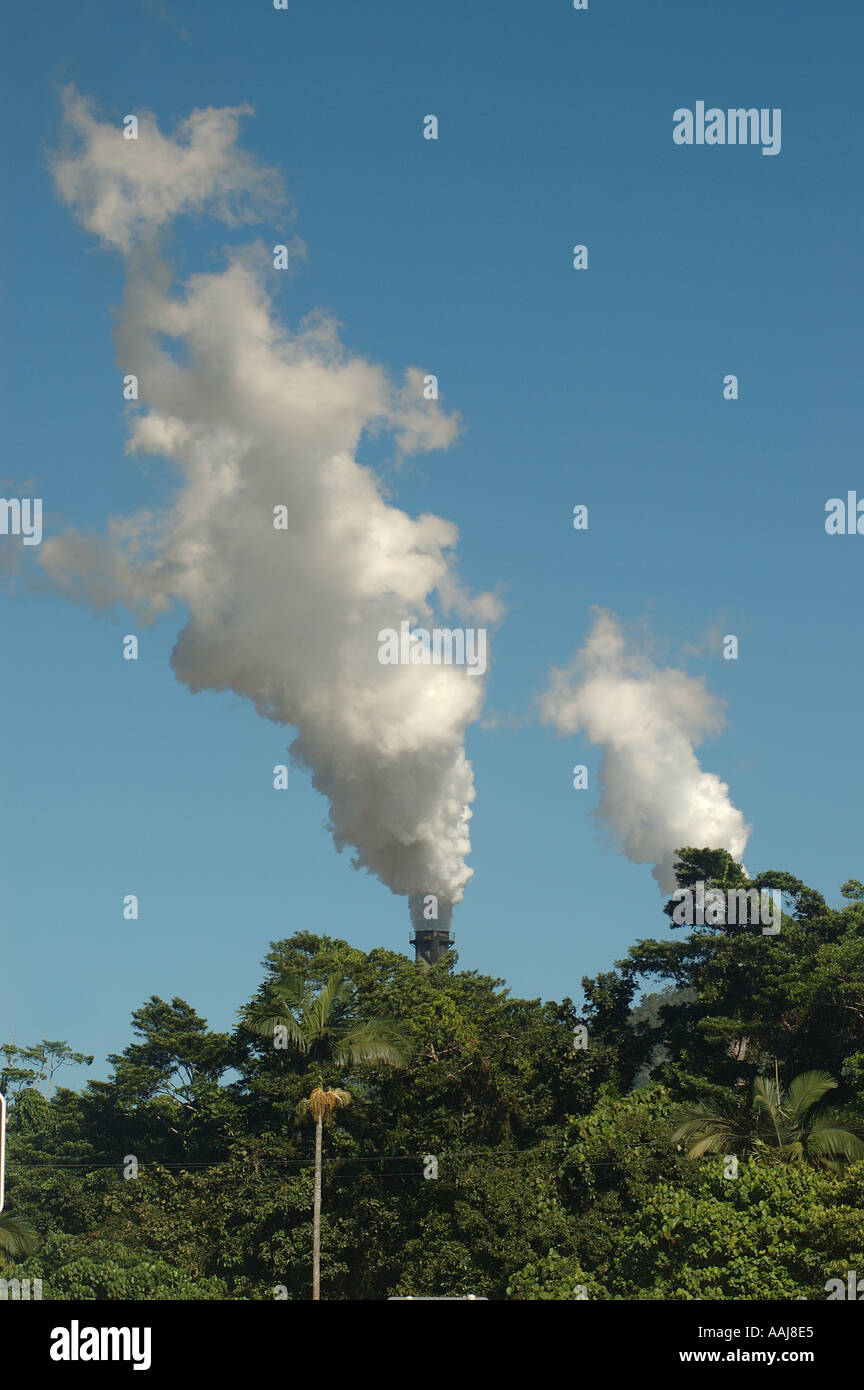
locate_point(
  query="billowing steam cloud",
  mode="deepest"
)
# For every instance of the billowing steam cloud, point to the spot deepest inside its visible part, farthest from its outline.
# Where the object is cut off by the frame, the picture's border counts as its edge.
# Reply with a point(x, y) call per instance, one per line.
point(655, 797)
point(256, 417)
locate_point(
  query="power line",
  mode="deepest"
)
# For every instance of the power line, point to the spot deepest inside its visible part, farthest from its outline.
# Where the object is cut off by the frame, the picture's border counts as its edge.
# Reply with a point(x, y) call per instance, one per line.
point(442, 1157)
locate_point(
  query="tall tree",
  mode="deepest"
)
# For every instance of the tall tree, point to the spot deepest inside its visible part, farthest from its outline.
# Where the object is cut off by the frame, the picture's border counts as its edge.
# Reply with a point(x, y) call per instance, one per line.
point(322, 1027)
point(48, 1057)
point(795, 995)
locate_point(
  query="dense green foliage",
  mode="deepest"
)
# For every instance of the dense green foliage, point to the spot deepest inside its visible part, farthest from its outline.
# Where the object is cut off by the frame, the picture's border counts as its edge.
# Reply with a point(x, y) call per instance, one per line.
point(559, 1174)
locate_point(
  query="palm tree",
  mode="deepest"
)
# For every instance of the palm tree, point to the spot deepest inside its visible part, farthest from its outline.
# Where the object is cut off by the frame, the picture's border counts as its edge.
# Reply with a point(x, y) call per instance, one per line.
point(17, 1239)
point(778, 1125)
point(324, 1027)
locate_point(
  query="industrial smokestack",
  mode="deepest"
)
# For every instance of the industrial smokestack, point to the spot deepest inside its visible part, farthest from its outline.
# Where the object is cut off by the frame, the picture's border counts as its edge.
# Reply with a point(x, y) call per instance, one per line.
point(431, 920)
point(430, 946)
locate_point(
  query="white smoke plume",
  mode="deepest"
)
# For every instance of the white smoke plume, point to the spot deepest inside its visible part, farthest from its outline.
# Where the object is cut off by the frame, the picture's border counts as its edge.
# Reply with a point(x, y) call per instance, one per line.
point(647, 720)
point(256, 416)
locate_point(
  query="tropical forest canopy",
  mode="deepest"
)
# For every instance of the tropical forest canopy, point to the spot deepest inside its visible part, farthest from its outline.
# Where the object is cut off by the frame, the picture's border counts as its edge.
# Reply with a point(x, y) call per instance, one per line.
point(579, 1153)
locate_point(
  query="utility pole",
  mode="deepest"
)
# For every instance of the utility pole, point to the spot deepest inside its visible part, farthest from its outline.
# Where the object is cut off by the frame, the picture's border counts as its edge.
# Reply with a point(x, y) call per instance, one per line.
point(2, 1149)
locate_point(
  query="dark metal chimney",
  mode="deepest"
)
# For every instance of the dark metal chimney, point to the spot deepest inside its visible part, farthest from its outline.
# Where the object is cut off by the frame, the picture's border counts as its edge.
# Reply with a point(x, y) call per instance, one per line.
point(430, 944)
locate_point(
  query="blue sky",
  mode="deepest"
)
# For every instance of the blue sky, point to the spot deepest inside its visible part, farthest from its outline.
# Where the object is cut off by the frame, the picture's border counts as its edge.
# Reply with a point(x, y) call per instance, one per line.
point(603, 387)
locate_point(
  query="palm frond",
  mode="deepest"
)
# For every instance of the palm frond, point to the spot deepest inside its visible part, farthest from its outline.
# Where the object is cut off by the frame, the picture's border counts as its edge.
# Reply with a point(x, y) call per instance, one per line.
point(711, 1144)
point(266, 1024)
point(309, 1019)
point(709, 1129)
point(17, 1236)
point(374, 1040)
point(792, 1152)
point(335, 991)
point(767, 1106)
point(766, 1096)
point(836, 1119)
point(290, 989)
point(806, 1091)
point(830, 1140)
